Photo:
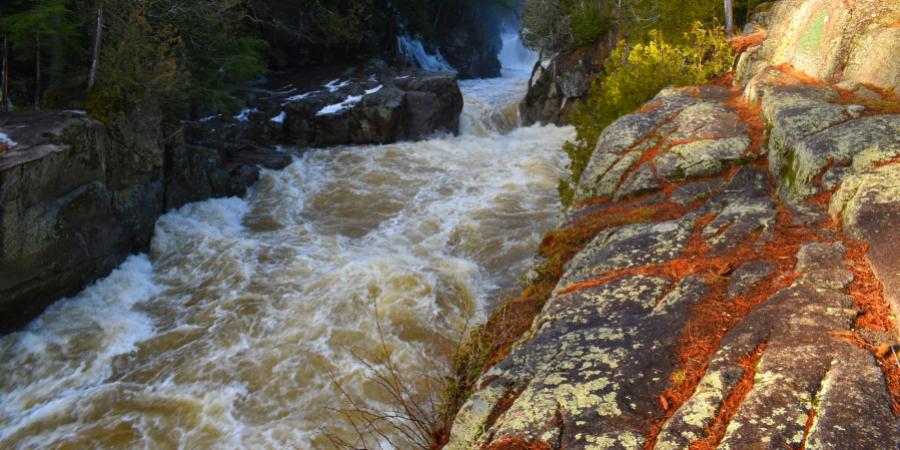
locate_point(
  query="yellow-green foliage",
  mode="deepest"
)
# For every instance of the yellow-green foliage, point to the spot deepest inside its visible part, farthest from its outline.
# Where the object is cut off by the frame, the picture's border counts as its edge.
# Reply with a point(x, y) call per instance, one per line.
point(634, 75)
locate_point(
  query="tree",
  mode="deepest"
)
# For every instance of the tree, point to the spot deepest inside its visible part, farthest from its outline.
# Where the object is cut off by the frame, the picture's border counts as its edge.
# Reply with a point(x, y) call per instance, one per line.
point(29, 30)
point(95, 52)
point(4, 83)
point(729, 18)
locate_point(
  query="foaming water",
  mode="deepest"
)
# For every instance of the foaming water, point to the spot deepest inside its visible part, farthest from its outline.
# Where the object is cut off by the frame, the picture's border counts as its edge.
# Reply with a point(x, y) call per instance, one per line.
point(232, 331)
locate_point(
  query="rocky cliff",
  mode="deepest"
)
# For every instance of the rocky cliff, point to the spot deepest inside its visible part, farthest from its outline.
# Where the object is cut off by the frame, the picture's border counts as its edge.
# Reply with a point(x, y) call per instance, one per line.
point(739, 284)
point(77, 197)
point(559, 84)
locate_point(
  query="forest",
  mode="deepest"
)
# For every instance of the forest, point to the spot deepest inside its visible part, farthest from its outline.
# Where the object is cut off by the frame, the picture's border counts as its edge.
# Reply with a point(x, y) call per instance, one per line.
point(107, 56)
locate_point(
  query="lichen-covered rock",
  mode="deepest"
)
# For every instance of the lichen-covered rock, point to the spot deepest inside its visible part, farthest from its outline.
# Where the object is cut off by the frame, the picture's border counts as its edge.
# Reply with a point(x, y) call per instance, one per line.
point(702, 158)
point(747, 276)
point(681, 134)
point(832, 40)
point(868, 204)
point(628, 246)
point(833, 147)
point(591, 368)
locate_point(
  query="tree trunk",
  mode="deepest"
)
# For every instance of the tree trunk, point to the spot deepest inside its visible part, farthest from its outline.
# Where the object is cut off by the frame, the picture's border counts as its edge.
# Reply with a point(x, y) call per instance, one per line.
point(729, 18)
point(4, 91)
point(95, 59)
point(37, 73)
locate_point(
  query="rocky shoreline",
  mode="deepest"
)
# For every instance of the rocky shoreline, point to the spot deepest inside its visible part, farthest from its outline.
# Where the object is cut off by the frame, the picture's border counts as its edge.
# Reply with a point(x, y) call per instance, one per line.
point(728, 275)
point(77, 198)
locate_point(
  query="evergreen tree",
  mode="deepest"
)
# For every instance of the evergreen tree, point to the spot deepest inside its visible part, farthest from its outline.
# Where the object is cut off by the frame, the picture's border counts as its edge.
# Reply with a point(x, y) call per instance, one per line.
point(44, 25)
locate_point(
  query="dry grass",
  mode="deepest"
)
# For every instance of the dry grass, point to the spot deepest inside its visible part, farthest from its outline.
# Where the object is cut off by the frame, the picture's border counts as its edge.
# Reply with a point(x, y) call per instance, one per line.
point(412, 416)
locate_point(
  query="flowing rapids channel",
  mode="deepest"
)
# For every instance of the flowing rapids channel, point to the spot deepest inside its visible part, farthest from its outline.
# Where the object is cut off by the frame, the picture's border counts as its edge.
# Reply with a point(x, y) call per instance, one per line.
point(238, 326)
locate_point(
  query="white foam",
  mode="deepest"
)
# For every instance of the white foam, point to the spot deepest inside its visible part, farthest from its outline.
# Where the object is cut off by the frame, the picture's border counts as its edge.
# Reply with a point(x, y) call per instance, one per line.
point(4, 139)
point(279, 118)
point(298, 97)
point(245, 114)
point(336, 85)
point(251, 306)
point(348, 103)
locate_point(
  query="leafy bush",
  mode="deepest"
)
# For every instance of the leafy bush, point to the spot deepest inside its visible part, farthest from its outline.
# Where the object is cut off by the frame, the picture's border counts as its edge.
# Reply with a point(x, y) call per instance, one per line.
point(635, 75)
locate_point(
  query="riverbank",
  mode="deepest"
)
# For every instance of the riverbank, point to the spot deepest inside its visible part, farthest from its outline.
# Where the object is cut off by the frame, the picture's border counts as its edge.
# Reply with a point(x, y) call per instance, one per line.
point(248, 313)
point(725, 277)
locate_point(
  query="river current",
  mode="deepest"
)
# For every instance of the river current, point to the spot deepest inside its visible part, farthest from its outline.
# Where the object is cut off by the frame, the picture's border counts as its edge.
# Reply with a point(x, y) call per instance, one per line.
point(238, 326)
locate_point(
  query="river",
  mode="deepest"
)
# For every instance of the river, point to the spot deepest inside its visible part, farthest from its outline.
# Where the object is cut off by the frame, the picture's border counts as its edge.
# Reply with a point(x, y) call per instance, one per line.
point(238, 326)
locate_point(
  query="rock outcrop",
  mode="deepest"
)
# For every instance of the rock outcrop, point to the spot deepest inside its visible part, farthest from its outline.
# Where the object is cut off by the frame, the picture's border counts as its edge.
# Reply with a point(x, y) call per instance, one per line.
point(376, 109)
point(558, 84)
point(76, 197)
point(750, 298)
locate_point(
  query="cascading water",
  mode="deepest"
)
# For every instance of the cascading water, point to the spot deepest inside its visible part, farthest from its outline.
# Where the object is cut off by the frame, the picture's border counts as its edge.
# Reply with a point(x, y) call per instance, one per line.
point(233, 330)
point(414, 51)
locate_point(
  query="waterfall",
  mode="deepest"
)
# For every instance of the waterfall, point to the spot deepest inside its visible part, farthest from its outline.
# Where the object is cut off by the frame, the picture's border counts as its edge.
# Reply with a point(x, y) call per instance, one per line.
point(414, 51)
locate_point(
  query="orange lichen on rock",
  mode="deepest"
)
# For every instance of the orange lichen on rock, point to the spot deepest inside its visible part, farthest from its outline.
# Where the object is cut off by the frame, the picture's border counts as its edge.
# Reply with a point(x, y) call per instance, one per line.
point(727, 410)
point(714, 315)
point(518, 444)
point(875, 314)
point(742, 43)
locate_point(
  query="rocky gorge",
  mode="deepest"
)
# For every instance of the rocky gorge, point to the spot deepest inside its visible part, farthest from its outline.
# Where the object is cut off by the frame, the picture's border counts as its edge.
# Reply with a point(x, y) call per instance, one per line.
point(730, 279)
point(78, 197)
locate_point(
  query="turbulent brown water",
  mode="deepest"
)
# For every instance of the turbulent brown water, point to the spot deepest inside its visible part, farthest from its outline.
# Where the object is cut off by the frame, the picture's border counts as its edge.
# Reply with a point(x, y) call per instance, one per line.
point(232, 331)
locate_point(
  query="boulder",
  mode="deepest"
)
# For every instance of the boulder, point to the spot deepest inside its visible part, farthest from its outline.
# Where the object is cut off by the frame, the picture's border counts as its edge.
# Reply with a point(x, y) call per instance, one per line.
point(380, 109)
point(558, 85)
point(74, 203)
point(831, 40)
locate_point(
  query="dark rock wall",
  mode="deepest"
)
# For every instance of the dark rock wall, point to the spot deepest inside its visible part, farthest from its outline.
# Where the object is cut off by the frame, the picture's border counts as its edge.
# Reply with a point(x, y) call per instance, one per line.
point(74, 202)
point(77, 197)
point(559, 85)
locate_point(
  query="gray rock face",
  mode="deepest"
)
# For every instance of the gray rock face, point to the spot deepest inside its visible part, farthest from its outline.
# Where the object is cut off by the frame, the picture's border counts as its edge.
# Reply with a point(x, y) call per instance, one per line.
point(73, 204)
point(831, 40)
point(555, 90)
point(77, 198)
point(678, 136)
point(383, 108)
point(745, 277)
point(747, 319)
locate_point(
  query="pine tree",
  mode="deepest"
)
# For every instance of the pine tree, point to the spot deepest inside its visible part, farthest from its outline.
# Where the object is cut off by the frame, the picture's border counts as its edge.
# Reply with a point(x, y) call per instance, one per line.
point(32, 30)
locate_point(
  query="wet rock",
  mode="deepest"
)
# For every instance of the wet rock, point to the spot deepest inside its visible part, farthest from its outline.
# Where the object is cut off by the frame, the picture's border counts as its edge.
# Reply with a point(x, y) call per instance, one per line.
point(558, 85)
point(382, 108)
point(745, 277)
point(74, 203)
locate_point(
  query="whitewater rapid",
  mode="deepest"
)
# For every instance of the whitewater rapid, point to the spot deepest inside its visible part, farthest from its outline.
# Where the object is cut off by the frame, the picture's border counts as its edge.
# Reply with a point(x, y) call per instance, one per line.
point(234, 329)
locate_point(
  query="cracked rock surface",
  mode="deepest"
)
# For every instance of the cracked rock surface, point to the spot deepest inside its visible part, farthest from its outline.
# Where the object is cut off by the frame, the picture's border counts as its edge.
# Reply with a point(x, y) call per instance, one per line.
point(759, 315)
